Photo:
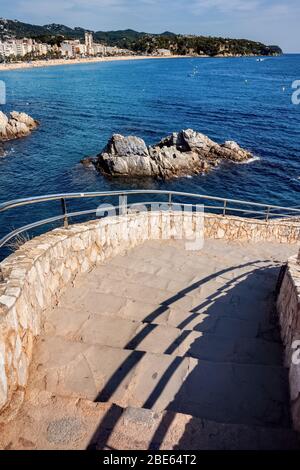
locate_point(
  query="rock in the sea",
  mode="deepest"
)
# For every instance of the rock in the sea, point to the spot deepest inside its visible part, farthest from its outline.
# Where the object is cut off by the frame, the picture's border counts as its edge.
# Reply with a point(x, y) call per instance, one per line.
point(16, 125)
point(125, 156)
point(180, 154)
point(88, 162)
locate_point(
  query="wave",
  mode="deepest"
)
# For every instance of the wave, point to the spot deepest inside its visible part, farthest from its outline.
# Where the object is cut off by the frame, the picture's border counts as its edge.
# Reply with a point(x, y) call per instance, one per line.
point(250, 160)
point(8, 152)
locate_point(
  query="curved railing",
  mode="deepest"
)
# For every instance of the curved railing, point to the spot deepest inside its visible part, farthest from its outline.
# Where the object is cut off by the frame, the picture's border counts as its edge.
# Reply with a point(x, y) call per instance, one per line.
point(255, 210)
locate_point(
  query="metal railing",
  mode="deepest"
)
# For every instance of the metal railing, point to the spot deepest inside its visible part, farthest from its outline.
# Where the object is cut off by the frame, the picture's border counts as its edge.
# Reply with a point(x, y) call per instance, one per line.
point(262, 212)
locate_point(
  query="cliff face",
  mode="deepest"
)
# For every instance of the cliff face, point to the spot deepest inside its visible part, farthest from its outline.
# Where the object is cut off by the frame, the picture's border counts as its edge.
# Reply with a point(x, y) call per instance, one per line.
point(180, 154)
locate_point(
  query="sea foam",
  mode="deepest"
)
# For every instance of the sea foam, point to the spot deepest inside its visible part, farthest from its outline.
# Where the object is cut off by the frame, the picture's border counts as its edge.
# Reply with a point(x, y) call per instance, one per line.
point(250, 160)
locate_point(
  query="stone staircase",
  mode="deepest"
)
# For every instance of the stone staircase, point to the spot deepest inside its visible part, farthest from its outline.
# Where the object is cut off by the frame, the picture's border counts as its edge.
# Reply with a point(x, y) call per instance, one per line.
point(164, 348)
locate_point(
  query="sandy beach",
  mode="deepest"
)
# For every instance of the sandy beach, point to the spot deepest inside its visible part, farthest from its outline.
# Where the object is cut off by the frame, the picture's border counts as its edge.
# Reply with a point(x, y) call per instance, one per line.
point(58, 62)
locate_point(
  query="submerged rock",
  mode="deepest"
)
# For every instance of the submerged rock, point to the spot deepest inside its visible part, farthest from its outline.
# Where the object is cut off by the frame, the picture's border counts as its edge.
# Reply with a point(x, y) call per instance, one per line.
point(16, 125)
point(180, 154)
point(88, 162)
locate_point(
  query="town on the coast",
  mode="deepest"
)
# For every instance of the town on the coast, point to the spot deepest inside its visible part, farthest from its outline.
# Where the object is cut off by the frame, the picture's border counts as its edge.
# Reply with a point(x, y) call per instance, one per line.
point(27, 48)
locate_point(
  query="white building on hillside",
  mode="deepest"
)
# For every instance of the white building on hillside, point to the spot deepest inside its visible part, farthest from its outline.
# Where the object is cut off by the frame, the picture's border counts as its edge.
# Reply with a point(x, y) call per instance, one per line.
point(72, 48)
point(8, 48)
point(22, 47)
point(89, 43)
point(2, 49)
point(89, 48)
point(41, 49)
point(99, 49)
point(164, 52)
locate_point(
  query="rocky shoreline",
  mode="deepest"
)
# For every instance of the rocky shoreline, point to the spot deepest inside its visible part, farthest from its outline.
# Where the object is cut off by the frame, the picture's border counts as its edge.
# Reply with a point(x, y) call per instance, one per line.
point(15, 126)
point(183, 153)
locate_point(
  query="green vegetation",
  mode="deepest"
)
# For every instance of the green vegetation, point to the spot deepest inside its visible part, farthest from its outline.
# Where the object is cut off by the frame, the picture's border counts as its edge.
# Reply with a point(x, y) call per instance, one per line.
point(200, 45)
point(140, 42)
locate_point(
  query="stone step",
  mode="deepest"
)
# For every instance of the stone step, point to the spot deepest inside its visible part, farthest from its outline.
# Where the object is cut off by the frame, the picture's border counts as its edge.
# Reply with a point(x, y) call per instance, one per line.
point(49, 422)
point(66, 319)
point(152, 276)
point(222, 392)
point(209, 299)
point(123, 333)
point(167, 280)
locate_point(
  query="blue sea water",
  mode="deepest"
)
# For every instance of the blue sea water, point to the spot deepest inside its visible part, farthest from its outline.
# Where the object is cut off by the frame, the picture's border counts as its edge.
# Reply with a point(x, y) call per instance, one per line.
point(80, 106)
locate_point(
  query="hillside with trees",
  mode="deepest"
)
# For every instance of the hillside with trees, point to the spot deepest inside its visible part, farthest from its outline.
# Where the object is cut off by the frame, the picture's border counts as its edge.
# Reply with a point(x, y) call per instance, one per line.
point(139, 42)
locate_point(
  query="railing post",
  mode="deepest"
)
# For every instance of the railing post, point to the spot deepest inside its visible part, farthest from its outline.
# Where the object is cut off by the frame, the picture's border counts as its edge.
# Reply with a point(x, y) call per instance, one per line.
point(123, 204)
point(224, 208)
point(170, 202)
point(65, 213)
point(267, 214)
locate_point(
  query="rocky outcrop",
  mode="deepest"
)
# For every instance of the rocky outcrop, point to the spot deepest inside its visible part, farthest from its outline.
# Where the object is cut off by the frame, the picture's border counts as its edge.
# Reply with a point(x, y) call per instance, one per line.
point(180, 154)
point(16, 125)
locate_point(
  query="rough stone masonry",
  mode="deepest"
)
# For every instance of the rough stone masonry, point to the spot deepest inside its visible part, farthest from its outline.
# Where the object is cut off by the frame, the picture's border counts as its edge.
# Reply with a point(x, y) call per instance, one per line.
point(288, 306)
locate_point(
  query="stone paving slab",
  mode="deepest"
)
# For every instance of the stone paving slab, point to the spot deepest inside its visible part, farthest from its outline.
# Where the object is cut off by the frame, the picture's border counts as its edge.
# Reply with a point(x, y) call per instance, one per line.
point(219, 323)
point(227, 393)
point(220, 293)
point(221, 349)
point(215, 324)
point(52, 422)
point(128, 335)
point(249, 394)
point(161, 339)
point(83, 372)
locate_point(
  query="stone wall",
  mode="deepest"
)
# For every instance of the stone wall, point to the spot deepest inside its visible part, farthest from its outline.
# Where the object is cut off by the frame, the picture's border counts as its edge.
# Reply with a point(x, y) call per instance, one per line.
point(238, 228)
point(35, 275)
point(288, 306)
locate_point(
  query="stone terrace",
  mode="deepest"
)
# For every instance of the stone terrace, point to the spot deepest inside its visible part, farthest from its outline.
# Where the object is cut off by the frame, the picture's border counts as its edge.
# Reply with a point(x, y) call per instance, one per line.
point(162, 348)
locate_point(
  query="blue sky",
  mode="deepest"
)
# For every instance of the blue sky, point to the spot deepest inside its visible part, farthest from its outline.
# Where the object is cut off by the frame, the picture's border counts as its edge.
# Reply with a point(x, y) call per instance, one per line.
point(269, 21)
